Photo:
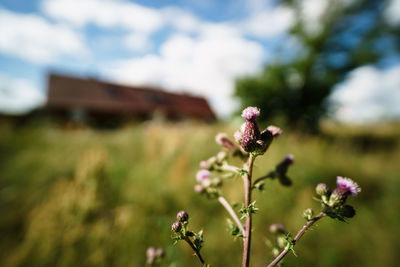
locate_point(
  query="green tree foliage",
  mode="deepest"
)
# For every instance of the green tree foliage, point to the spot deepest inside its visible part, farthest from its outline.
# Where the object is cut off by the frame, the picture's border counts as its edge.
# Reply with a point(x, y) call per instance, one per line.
point(297, 82)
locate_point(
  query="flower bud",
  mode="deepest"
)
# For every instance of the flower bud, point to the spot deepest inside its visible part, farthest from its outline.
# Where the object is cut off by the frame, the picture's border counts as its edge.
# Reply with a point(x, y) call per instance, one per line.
point(222, 139)
point(277, 228)
point(308, 214)
point(203, 164)
point(182, 216)
point(251, 132)
point(160, 253)
point(202, 175)
point(338, 197)
point(150, 255)
point(322, 189)
point(199, 189)
point(283, 166)
point(176, 227)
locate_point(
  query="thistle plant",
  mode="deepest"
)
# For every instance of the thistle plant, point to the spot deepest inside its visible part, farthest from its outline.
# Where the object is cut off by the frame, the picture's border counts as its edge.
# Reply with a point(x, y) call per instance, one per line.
point(251, 143)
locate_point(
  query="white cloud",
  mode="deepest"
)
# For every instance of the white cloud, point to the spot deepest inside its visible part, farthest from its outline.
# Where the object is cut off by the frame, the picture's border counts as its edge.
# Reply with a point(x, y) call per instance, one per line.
point(18, 95)
point(268, 22)
point(392, 12)
point(368, 94)
point(32, 38)
point(137, 42)
point(105, 13)
point(311, 13)
point(205, 65)
point(181, 20)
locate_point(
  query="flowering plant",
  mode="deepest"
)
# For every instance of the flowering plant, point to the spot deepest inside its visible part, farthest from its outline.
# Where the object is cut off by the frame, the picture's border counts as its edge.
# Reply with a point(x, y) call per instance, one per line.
point(250, 144)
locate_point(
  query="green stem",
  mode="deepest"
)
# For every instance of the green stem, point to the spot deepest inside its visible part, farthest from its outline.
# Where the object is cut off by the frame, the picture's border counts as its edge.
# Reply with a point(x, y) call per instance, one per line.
point(247, 199)
point(195, 250)
point(296, 238)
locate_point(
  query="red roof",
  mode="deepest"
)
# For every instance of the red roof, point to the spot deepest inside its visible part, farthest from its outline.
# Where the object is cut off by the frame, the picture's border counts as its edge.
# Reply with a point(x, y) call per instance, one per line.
point(96, 96)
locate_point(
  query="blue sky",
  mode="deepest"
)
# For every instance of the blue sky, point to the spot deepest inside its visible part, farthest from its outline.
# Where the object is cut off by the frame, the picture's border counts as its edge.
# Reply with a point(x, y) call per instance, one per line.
point(190, 46)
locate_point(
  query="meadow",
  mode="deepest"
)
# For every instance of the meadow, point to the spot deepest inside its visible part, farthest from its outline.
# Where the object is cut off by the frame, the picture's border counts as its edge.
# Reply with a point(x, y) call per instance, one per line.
point(89, 197)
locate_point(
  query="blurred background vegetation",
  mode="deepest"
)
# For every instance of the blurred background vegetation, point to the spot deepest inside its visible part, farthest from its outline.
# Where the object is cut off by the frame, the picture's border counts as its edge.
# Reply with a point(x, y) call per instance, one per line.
point(100, 198)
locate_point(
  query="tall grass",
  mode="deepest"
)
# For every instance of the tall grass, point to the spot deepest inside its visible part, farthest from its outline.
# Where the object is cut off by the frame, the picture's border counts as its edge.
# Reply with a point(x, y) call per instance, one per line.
point(100, 198)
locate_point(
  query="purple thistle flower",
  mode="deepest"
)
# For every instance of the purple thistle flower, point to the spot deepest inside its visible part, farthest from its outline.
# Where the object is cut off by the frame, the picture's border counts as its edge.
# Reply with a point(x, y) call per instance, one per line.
point(348, 185)
point(202, 175)
point(251, 133)
point(250, 113)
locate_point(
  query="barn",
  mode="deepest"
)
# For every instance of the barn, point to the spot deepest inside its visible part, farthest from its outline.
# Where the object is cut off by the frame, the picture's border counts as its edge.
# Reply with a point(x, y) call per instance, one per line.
point(88, 99)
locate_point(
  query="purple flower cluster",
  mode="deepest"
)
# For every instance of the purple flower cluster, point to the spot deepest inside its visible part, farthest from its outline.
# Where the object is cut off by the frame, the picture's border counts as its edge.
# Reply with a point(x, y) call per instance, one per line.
point(249, 136)
point(348, 185)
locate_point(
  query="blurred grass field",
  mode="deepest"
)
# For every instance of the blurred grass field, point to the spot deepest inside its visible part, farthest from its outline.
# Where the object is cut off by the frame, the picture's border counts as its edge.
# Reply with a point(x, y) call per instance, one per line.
point(100, 198)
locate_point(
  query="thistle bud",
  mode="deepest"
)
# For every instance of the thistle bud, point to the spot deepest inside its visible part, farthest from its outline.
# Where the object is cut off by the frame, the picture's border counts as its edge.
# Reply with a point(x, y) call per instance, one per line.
point(346, 187)
point(282, 168)
point(338, 197)
point(182, 216)
point(150, 255)
point(251, 132)
point(176, 227)
point(199, 189)
point(203, 175)
point(222, 139)
point(277, 228)
point(322, 189)
point(308, 214)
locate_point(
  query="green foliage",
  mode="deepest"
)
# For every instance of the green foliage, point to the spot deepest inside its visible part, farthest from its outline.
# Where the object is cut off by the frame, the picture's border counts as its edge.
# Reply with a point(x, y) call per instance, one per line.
point(295, 84)
point(249, 210)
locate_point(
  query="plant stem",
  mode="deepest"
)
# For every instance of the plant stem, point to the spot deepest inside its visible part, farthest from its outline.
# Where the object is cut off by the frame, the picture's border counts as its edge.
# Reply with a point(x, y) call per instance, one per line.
point(231, 212)
point(247, 200)
point(195, 250)
point(296, 238)
point(229, 168)
point(269, 175)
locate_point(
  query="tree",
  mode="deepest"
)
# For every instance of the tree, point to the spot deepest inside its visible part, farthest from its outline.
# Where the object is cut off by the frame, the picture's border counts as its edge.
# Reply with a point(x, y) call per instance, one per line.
point(296, 84)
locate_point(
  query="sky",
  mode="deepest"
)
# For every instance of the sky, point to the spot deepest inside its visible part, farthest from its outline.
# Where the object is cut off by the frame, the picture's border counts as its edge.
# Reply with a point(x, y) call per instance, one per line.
point(191, 46)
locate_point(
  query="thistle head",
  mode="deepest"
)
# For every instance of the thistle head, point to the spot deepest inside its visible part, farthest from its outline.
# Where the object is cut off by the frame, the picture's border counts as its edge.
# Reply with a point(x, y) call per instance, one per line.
point(250, 133)
point(203, 175)
point(176, 227)
point(348, 185)
point(250, 113)
point(182, 216)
